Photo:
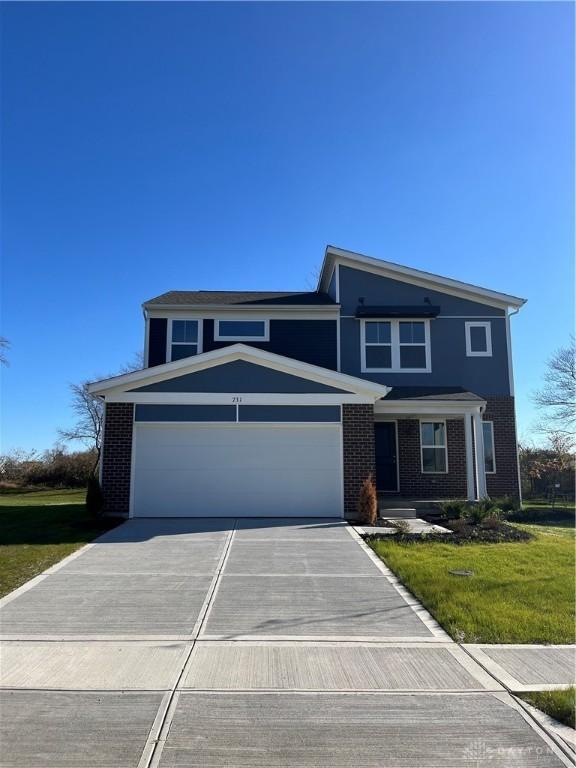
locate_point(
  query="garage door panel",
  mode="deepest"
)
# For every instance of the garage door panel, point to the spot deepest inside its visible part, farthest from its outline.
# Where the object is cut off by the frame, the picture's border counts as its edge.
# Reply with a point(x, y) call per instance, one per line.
point(237, 470)
point(236, 459)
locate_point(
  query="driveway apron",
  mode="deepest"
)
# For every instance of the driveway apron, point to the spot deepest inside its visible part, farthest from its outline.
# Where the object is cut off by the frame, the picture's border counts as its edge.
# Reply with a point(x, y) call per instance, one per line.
point(212, 642)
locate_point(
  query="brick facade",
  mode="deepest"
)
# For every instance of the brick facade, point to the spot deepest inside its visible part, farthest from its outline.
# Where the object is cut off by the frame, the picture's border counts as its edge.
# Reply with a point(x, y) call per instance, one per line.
point(417, 485)
point(500, 410)
point(359, 455)
point(117, 457)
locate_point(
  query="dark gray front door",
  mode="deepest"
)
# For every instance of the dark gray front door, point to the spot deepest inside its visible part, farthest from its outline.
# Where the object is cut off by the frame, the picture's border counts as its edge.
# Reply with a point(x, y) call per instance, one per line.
point(386, 471)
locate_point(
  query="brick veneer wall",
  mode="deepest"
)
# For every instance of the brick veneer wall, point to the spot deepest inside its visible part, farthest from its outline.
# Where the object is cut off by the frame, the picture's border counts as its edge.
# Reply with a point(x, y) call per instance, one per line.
point(417, 485)
point(117, 457)
point(359, 454)
point(500, 410)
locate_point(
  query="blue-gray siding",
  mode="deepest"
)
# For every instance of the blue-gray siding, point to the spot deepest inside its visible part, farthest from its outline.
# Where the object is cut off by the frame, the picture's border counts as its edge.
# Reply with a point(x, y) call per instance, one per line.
point(311, 341)
point(239, 376)
point(145, 412)
point(288, 413)
point(450, 365)
point(246, 413)
point(374, 289)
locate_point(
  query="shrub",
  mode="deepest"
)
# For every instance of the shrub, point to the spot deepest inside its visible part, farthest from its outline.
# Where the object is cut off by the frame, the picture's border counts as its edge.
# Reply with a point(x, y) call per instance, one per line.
point(368, 502)
point(507, 503)
point(458, 525)
point(492, 522)
point(453, 510)
point(478, 512)
point(401, 526)
point(94, 497)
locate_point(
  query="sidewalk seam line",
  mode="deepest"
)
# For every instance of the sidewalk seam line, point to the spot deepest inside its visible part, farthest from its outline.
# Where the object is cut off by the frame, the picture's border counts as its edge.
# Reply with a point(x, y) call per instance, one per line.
point(164, 729)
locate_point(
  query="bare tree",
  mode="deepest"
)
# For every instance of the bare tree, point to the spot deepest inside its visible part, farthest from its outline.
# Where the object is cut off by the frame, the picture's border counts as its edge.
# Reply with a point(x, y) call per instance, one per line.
point(89, 411)
point(4, 347)
point(557, 398)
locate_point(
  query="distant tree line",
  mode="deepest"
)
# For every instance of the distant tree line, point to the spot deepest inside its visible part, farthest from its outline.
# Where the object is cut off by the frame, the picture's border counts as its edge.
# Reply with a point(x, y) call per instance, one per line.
point(54, 468)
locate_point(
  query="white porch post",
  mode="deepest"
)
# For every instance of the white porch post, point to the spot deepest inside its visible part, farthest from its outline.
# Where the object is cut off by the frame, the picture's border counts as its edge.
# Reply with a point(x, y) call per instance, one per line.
point(470, 470)
point(479, 445)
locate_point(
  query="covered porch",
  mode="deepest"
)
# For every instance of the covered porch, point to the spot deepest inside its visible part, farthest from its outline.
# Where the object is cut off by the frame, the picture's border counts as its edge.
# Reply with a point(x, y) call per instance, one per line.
point(430, 445)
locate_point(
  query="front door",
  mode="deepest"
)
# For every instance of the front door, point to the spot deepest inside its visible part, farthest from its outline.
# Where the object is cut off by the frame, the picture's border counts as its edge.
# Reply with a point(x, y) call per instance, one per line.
point(386, 467)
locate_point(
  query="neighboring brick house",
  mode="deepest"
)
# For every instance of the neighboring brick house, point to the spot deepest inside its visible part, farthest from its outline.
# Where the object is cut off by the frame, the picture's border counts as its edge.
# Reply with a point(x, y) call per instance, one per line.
point(281, 404)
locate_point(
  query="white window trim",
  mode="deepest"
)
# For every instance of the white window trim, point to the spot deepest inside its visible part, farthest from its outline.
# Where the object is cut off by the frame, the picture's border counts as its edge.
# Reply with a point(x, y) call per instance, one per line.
point(422, 446)
point(169, 341)
point(493, 471)
point(395, 345)
point(484, 324)
point(220, 337)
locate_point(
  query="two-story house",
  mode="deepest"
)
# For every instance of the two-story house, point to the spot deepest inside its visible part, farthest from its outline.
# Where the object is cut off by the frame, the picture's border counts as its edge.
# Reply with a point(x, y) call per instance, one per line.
point(281, 404)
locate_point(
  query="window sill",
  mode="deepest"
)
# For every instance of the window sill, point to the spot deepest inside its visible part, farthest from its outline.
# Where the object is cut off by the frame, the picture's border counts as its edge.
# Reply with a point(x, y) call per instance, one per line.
point(396, 370)
point(241, 338)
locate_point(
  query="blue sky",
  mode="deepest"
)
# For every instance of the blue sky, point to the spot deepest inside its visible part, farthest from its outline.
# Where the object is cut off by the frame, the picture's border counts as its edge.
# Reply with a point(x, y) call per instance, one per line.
point(154, 146)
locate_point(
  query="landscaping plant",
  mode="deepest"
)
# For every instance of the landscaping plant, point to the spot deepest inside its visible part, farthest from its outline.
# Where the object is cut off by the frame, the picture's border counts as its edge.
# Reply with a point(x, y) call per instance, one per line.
point(94, 497)
point(454, 510)
point(368, 502)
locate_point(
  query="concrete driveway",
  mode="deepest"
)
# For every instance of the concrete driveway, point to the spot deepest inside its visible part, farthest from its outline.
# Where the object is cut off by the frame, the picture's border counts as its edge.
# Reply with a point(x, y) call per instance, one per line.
point(180, 642)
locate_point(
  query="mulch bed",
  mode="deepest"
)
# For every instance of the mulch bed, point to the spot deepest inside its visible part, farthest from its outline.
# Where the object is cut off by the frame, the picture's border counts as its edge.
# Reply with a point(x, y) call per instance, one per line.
point(462, 532)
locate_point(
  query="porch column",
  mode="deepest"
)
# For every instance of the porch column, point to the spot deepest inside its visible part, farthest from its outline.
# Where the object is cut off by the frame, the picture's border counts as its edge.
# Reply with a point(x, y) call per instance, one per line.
point(479, 445)
point(470, 470)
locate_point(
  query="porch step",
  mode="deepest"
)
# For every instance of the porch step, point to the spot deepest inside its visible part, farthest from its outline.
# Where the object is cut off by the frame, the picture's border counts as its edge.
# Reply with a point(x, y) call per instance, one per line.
point(395, 507)
point(402, 513)
point(401, 502)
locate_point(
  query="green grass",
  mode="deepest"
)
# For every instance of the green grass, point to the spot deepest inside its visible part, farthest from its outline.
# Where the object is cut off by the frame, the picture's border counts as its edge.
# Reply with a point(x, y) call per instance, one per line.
point(561, 704)
point(521, 592)
point(37, 529)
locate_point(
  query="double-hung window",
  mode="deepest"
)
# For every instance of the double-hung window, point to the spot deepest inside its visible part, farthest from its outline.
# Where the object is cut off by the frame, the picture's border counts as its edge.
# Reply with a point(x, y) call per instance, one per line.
point(242, 330)
point(378, 345)
point(433, 446)
point(396, 345)
point(184, 338)
point(489, 452)
point(478, 339)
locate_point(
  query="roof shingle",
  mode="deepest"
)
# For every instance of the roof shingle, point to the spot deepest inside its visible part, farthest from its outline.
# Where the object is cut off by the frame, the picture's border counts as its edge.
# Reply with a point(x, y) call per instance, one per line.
point(432, 393)
point(238, 298)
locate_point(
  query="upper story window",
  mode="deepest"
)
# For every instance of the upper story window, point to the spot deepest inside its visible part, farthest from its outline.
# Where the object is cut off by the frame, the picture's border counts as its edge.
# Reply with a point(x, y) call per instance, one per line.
point(184, 338)
point(242, 330)
point(396, 346)
point(478, 339)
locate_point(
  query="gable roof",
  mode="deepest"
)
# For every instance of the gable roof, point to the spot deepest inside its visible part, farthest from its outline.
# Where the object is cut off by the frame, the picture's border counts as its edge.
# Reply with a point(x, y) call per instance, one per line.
point(240, 298)
point(450, 394)
point(399, 272)
point(233, 352)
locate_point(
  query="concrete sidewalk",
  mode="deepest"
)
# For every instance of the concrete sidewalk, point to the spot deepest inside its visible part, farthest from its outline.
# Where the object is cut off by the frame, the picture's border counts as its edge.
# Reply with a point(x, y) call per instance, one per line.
point(172, 643)
point(523, 668)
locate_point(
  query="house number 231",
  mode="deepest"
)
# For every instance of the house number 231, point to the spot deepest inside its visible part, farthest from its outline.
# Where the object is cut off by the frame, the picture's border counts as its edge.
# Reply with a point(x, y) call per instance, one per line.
point(236, 399)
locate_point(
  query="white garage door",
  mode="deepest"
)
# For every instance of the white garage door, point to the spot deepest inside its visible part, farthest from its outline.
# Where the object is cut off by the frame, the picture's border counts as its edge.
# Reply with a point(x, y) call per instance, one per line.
point(201, 470)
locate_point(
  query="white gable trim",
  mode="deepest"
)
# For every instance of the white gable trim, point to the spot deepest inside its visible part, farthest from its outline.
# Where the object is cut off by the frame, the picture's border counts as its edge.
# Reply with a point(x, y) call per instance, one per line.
point(352, 384)
point(414, 277)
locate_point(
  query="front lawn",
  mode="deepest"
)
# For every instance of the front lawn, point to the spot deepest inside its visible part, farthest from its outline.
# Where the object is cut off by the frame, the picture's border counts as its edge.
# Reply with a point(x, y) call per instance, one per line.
point(521, 592)
point(541, 512)
point(37, 529)
point(561, 705)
